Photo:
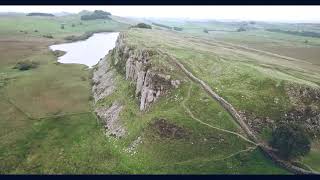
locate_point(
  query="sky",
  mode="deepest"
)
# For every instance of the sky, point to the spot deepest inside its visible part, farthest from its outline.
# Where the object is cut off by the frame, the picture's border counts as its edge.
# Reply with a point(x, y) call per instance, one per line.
point(258, 13)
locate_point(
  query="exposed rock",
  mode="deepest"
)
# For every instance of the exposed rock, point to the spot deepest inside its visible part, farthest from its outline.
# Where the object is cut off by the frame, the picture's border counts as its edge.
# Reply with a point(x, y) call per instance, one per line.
point(136, 64)
point(103, 83)
point(175, 83)
point(132, 149)
point(299, 94)
point(305, 111)
point(255, 123)
point(103, 86)
point(306, 101)
point(109, 116)
point(306, 117)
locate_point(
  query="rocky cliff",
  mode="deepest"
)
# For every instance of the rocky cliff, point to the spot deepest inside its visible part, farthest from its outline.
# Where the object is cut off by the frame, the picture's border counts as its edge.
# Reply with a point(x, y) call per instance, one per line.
point(136, 65)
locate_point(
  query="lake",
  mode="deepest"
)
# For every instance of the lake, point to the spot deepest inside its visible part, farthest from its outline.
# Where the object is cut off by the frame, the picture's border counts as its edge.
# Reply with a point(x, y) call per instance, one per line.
point(89, 51)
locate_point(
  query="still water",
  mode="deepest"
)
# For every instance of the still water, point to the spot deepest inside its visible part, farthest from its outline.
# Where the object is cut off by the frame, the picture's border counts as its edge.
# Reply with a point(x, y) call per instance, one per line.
point(89, 51)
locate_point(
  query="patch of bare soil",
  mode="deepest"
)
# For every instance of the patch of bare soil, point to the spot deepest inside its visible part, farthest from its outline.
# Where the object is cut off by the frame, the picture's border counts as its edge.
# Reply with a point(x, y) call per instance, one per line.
point(166, 129)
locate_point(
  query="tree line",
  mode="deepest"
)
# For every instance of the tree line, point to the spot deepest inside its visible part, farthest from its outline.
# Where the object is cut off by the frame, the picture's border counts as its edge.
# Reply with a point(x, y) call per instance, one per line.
point(298, 33)
point(97, 14)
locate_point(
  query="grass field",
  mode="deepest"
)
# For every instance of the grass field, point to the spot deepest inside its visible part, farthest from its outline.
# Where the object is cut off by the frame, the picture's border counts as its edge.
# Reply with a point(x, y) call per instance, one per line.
point(252, 82)
point(52, 26)
point(49, 127)
point(46, 114)
point(256, 37)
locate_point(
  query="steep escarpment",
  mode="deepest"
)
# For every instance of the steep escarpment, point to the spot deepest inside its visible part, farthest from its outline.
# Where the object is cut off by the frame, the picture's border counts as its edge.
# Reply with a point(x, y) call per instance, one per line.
point(103, 85)
point(136, 64)
point(144, 107)
point(103, 80)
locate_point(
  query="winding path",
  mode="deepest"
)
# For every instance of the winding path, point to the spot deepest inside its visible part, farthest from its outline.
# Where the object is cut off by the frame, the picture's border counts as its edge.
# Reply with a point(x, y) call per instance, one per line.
point(233, 112)
point(209, 125)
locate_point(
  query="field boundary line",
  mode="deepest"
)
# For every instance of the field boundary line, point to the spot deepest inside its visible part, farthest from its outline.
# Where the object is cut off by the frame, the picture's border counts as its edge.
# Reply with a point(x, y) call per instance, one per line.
point(233, 112)
point(209, 125)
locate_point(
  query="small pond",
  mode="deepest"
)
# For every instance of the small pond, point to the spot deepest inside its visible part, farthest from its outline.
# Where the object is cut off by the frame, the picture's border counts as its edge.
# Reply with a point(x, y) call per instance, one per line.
point(89, 51)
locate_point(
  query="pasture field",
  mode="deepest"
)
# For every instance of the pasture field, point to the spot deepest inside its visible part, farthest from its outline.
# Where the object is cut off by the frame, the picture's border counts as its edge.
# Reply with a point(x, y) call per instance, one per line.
point(304, 48)
point(252, 82)
point(46, 114)
point(49, 124)
point(40, 26)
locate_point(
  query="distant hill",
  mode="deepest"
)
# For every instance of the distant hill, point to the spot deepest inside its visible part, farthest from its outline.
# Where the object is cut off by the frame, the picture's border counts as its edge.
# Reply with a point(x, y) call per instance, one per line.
point(97, 14)
point(63, 14)
point(40, 14)
point(11, 14)
point(84, 12)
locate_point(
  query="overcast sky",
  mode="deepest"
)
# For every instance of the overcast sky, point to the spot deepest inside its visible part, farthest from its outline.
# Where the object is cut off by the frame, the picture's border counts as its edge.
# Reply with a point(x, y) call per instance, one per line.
point(263, 13)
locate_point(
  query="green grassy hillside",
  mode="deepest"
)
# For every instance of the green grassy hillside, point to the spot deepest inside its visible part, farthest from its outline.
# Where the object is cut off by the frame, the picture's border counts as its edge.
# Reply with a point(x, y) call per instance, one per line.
point(49, 125)
point(18, 25)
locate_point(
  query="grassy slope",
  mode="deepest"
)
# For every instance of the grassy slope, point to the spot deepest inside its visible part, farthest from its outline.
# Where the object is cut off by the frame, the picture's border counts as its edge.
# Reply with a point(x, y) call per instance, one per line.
point(256, 37)
point(52, 25)
point(61, 144)
point(75, 143)
point(240, 79)
point(204, 149)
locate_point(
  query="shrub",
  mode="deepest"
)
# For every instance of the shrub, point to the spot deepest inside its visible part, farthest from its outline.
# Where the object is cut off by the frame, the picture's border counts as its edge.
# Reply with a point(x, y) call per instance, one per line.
point(298, 33)
point(25, 65)
point(59, 53)
point(36, 31)
point(162, 25)
point(83, 78)
point(40, 14)
point(62, 26)
point(142, 25)
point(241, 29)
point(205, 31)
point(48, 36)
point(73, 25)
point(177, 28)
point(90, 98)
point(290, 140)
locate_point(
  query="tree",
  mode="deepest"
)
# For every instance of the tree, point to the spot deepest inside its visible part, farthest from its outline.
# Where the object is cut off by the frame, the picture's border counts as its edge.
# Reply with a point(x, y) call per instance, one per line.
point(142, 25)
point(40, 14)
point(290, 140)
point(177, 28)
point(26, 65)
point(205, 31)
point(241, 29)
point(62, 26)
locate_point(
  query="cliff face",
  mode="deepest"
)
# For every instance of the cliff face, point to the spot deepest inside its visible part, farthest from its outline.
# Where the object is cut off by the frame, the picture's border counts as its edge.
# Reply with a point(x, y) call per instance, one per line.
point(103, 86)
point(136, 65)
point(103, 83)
